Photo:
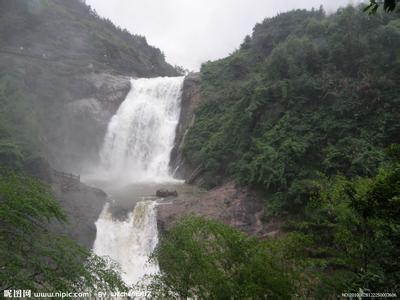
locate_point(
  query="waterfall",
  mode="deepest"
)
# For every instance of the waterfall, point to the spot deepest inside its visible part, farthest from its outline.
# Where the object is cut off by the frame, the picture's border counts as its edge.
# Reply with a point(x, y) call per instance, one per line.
point(136, 149)
point(141, 134)
point(129, 242)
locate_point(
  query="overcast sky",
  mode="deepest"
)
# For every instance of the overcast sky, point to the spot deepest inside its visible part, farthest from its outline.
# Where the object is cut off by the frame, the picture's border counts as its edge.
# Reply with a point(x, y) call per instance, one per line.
point(190, 32)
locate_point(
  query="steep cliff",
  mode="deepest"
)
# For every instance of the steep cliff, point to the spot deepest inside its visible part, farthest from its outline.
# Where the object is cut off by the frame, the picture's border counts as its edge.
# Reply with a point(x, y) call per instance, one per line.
point(180, 166)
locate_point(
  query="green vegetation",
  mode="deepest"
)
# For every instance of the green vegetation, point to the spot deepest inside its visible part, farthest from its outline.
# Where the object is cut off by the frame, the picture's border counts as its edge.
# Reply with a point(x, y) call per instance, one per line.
point(355, 227)
point(307, 110)
point(348, 240)
point(33, 257)
point(200, 257)
point(69, 31)
point(306, 94)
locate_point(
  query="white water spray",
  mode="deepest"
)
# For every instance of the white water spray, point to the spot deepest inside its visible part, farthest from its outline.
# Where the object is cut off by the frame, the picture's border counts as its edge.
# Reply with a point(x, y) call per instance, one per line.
point(137, 148)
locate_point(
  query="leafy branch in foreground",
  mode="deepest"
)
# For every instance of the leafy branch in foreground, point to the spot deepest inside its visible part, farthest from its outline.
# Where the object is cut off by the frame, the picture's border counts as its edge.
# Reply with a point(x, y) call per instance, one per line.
point(388, 6)
point(33, 257)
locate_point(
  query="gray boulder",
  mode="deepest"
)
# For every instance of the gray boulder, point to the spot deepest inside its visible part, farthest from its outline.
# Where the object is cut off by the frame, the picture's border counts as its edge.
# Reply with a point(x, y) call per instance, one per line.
point(163, 193)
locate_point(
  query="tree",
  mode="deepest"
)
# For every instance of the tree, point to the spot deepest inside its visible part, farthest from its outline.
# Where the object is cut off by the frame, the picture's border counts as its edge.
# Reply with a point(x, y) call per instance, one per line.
point(207, 259)
point(33, 257)
point(355, 228)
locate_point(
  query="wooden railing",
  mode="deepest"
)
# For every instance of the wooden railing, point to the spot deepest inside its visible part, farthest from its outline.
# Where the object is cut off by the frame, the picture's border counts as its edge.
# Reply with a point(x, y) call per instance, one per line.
point(68, 181)
point(67, 175)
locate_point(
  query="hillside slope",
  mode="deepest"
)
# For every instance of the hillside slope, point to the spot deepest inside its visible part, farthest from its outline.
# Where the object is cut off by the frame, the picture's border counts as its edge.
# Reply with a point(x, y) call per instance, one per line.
point(306, 94)
point(72, 68)
point(69, 31)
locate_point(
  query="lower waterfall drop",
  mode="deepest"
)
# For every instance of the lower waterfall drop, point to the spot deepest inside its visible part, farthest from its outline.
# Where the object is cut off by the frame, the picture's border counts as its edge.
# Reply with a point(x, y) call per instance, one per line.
point(136, 150)
point(129, 242)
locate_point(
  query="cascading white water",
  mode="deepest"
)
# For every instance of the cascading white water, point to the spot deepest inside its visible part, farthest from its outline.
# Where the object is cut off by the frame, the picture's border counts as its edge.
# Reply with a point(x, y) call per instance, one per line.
point(129, 242)
point(141, 134)
point(137, 148)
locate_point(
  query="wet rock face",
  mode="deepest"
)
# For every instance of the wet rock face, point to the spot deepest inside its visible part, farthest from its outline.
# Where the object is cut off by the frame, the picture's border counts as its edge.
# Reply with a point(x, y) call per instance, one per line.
point(82, 205)
point(190, 101)
point(84, 123)
point(237, 207)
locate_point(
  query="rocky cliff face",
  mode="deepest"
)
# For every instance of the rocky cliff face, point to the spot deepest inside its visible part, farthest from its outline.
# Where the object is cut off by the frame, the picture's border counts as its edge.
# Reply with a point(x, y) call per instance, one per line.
point(240, 208)
point(74, 105)
point(84, 122)
point(190, 101)
point(82, 205)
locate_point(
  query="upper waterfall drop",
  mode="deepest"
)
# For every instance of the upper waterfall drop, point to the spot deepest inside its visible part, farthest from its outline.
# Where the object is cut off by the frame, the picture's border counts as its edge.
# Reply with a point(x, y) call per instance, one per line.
point(141, 134)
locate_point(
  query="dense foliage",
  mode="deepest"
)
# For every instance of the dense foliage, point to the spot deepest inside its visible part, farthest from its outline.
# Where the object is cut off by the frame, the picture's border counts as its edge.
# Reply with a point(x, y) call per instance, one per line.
point(203, 258)
point(307, 93)
point(33, 257)
point(70, 31)
point(348, 241)
point(307, 110)
point(355, 227)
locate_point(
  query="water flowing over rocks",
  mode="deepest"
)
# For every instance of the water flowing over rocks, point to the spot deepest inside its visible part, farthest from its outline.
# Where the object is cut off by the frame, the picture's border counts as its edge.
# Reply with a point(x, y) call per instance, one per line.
point(141, 134)
point(130, 241)
point(135, 151)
